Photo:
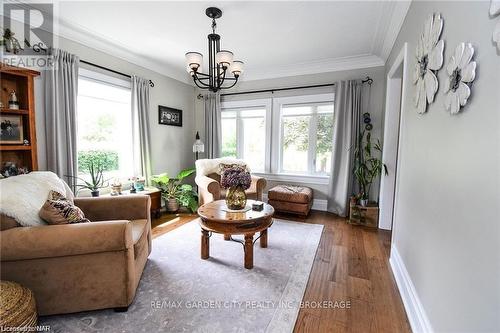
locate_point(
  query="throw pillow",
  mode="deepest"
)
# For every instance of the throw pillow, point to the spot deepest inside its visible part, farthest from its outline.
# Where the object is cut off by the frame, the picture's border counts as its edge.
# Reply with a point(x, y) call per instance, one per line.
point(59, 210)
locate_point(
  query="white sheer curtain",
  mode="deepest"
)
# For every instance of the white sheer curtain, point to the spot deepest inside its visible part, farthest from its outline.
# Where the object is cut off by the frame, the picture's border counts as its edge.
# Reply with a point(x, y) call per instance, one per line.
point(347, 126)
point(61, 91)
point(140, 123)
point(213, 131)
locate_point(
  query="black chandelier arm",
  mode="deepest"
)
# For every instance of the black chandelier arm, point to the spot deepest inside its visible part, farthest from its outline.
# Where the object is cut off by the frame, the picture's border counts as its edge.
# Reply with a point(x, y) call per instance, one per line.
point(203, 86)
point(199, 83)
point(228, 87)
point(202, 74)
point(221, 81)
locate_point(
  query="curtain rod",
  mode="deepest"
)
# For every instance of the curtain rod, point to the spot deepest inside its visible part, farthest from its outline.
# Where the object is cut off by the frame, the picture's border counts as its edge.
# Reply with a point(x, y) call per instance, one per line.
point(368, 80)
point(151, 84)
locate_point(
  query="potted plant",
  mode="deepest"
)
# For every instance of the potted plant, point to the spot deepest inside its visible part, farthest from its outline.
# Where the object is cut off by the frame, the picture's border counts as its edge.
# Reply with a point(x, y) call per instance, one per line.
point(96, 182)
point(367, 166)
point(174, 192)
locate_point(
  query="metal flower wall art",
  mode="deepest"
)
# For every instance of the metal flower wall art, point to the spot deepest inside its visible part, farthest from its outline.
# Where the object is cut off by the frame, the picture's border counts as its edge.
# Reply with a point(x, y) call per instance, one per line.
point(461, 72)
point(494, 11)
point(429, 60)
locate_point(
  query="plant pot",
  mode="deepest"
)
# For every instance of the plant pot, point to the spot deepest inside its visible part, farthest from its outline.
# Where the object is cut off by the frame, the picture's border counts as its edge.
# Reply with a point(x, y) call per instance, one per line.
point(363, 202)
point(94, 193)
point(172, 205)
point(236, 198)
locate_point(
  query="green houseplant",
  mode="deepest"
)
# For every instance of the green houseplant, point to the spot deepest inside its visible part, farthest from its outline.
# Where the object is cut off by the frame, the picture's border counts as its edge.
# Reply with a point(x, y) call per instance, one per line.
point(174, 192)
point(367, 164)
point(96, 181)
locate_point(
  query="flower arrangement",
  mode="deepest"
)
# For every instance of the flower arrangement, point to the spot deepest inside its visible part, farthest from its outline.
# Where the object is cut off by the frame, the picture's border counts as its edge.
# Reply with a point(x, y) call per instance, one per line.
point(236, 176)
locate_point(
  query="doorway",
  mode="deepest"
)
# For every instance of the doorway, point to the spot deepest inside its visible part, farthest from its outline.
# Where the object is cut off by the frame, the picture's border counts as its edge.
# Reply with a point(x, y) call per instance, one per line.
point(392, 136)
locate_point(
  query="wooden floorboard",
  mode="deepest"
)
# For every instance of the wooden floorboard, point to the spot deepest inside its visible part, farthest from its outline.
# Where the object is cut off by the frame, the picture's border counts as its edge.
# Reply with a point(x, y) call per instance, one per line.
point(351, 265)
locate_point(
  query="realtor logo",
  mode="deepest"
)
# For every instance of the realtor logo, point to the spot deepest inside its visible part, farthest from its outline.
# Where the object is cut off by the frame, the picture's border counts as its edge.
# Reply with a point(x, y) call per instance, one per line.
point(27, 34)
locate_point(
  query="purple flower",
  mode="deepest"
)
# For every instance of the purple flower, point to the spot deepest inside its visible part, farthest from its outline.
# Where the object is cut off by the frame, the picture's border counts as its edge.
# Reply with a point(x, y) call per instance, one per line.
point(235, 176)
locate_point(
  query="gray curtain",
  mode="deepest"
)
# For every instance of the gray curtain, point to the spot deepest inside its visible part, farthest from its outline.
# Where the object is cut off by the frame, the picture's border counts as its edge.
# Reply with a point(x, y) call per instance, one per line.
point(61, 91)
point(141, 133)
point(213, 125)
point(347, 126)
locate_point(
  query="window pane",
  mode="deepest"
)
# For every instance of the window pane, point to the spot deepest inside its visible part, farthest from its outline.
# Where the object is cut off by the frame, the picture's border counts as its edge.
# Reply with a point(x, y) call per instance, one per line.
point(292, 110)
point(254, 142)
point(325, 108)
point(104, 128)
point(324, 143)
point(295, 143)
point(228, 137)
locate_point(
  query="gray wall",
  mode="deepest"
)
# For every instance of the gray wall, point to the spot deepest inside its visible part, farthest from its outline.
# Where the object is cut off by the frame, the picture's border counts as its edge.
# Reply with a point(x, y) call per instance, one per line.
point(171, 146)
point(447, 212)
point(376, 101)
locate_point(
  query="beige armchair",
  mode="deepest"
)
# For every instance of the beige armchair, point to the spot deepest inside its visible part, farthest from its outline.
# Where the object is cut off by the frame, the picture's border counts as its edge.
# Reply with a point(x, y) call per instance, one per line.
point(208, 181)
point(82, 266)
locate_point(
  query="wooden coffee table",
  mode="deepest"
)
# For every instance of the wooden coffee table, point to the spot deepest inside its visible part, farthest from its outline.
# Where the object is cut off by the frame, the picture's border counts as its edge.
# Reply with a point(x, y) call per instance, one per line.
point(214, 218)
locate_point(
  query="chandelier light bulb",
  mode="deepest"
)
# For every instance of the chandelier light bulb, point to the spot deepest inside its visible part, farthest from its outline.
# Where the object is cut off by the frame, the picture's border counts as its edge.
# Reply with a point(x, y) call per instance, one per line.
point(224, 58)
point(194, 60)
point(237, 67)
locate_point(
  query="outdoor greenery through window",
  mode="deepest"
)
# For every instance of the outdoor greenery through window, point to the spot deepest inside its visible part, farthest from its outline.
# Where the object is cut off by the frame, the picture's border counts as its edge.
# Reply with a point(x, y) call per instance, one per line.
point(306, 137)
point(244, 135)
point(290, 136)
point(104, 126)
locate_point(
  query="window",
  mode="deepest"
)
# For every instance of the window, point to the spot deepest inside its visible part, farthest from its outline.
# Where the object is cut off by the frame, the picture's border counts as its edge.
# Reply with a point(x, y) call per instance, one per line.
point(104, 124)
point(292, 138)
point(306, 138)
point(244, 132)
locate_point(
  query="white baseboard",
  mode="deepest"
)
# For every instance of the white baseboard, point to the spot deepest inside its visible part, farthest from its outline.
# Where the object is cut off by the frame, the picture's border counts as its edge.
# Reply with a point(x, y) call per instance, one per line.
point(419, 321)
point(318, 204)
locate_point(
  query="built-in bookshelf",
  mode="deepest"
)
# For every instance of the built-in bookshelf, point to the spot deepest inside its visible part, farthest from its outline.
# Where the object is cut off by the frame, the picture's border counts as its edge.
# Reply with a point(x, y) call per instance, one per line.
point(18, 136)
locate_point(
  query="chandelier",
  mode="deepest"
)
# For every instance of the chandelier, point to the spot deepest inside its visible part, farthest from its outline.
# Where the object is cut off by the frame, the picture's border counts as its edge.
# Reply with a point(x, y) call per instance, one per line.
point(220, 62)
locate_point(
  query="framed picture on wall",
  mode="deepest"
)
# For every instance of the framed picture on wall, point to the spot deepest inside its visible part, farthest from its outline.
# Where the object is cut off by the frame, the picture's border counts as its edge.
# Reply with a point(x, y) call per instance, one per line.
point(11, 129)
point(169, 116)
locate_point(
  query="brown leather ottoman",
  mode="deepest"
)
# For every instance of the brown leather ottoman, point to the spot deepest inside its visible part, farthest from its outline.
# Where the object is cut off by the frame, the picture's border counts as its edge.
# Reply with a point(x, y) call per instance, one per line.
point(291, 199)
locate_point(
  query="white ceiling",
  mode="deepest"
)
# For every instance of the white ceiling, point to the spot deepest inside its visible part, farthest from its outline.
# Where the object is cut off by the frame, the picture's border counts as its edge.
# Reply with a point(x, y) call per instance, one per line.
point(274, 39)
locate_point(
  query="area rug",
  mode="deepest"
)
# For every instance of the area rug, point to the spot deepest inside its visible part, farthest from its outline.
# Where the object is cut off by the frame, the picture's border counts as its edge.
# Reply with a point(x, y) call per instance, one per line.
point(179, 292)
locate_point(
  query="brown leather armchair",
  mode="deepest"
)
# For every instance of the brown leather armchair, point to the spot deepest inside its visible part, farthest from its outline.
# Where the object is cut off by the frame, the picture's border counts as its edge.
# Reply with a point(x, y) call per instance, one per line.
point(83, 266)
point(208, 181)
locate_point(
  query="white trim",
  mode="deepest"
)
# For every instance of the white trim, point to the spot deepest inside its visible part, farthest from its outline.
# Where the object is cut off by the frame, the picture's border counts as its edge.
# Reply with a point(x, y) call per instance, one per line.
point(415, 311)
point(301, 179)
point(318, 204)
point(313, 67)
point(403, 54)
point(103, 78)
point(388, 29)
point(392, 101)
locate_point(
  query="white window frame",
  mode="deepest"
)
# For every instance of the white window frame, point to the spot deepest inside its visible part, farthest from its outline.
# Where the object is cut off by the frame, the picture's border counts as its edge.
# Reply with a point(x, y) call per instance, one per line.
point(278, 131)
point(238, 106)
point(95, 76)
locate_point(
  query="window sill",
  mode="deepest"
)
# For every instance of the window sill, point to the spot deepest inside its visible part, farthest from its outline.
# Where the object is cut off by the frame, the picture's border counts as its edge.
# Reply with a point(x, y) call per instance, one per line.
point(301, 179)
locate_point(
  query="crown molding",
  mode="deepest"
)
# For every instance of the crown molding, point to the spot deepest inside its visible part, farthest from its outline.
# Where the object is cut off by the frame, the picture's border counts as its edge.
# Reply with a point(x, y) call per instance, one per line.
point(388, 29)
point(314, 67)
point(112, 47)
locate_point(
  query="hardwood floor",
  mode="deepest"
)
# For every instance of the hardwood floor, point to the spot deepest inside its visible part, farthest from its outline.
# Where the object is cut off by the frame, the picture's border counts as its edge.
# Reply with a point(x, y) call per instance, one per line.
point(351, 265)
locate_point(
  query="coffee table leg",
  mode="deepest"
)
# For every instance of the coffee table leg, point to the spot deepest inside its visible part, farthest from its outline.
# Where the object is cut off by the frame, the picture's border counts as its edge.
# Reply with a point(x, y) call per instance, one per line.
point(205, 244)
point(249, 251)
point(263, 238)
point(227, 237)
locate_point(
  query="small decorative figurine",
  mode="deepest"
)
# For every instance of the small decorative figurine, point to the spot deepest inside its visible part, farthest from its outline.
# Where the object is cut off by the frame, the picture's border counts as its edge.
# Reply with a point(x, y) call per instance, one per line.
point(13, 102)
point(116, 187)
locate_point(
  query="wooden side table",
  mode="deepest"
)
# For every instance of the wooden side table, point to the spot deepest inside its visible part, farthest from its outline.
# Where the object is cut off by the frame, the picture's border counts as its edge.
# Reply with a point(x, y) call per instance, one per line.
point(154, 194)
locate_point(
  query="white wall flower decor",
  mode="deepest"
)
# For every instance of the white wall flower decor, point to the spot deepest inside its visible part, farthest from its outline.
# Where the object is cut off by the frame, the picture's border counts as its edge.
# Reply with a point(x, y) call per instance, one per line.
point(494, 11)
point(461, 71)
point(429, 60)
